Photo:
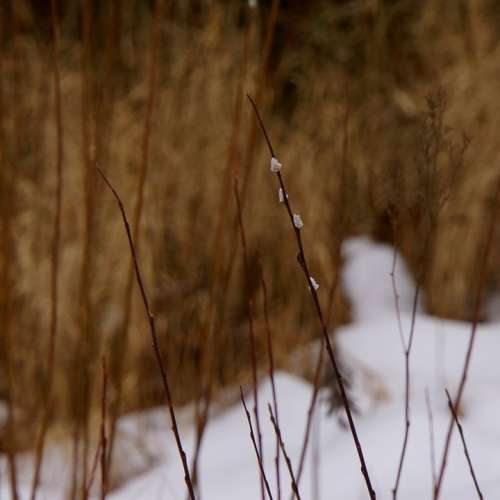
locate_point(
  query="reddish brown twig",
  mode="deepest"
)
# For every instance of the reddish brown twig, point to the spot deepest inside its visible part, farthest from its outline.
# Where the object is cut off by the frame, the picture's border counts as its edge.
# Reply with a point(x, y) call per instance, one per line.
point(270, 356)
point(462, 437)
point(93, 470)
point(211, 330)
point(7, 210)
point(331, 297)
point(251, 332)
point(84, 347)
point(118, 361)
point(104, 439)
point(277, 430)
point(477, 313)
point(252, 437)
point(303, 264)
point(54, 275)
point(152, 329)
point(431, 437)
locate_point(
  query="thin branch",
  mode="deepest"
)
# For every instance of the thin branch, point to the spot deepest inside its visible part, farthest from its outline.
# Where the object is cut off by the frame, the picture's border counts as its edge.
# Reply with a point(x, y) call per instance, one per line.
point(251, 332)
point(331, 297)
point(277, 430)
point(270, 356)
point(407, 350)
point(152, 328)
point(431, 437)
point(252, 437)
point(56, 241)
point(477, 313)
point(210, 330)
point(93, 470)
point(104, 439)
point(118, 362)
point(462, 437)
point(303, 264)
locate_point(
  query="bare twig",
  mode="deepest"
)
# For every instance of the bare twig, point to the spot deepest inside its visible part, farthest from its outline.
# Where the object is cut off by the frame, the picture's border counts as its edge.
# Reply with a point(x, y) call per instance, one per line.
point(54, 275)
point(431, 437)
point(93, 470)
point(7, 210)
point(407, 350)
point(277, 430)
point(251, 332)
point(152, 328)
point(85, 344)
point(252, 437)
point(462, 437)
point(477, 312)
point(270, 356)
point(211, 331)
point(104, 439)
point(118, 361)
point(303, 264)
point(331, 297)
point(210, 328)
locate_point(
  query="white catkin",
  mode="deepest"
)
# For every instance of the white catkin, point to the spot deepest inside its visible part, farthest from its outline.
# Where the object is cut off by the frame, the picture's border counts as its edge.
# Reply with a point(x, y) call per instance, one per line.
point(313, 283)
point(281, 197)
point(275, 165)
point(297, 221)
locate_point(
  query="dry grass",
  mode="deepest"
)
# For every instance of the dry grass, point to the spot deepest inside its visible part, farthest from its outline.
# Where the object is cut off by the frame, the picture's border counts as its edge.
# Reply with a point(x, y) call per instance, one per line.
point(375, 60)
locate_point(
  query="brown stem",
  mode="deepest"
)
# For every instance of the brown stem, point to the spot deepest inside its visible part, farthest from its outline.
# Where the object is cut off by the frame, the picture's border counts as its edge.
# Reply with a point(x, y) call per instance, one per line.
point(270, 357)
point(84, 345)
point(303, 264)
point(93, 470)
point(251, 332)
point(152, 328)
point(277, 430)
point(210, 330)
point(7, 209)
point(136, 219)
point(54, 289)
point(104, 439)
point(252, 437)
point(432, 446)
point(462, 437)
point(331, 297)
point(477, 312)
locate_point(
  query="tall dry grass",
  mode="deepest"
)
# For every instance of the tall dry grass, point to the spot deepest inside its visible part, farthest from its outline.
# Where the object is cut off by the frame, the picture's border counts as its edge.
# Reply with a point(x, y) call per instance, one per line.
point(311, 65)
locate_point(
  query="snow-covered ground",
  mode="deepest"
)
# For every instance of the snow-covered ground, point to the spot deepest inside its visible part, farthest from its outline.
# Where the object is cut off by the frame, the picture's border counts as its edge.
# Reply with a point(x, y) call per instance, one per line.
point(372, 347)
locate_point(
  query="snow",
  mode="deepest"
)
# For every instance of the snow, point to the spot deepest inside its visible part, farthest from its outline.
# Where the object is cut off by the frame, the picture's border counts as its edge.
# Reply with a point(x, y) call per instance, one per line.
point(372, 348)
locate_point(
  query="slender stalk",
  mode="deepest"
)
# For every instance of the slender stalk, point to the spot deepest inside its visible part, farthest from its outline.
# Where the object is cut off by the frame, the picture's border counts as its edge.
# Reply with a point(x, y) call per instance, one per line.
point(475, 321)
point(432, 446)
point(104, 439)
point(462, 437)
point(152, 328)
point(407, 350)
point(252, 437)
point(56, 241)
point(119, 358)
point(277, 430)
point(270, 357)
point(7, 208)
point(93, 470)
point(331, 296)
point(304, 266)
point(211, 331)
point(84, 345)
point(251, 332)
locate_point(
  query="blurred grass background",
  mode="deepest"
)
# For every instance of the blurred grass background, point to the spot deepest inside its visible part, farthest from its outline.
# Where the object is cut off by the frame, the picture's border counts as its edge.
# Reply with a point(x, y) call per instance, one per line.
point(156, 92)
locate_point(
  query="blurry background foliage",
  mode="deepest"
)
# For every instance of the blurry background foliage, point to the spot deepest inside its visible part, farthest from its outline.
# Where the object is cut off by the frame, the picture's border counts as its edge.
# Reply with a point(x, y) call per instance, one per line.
point(385, 115)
